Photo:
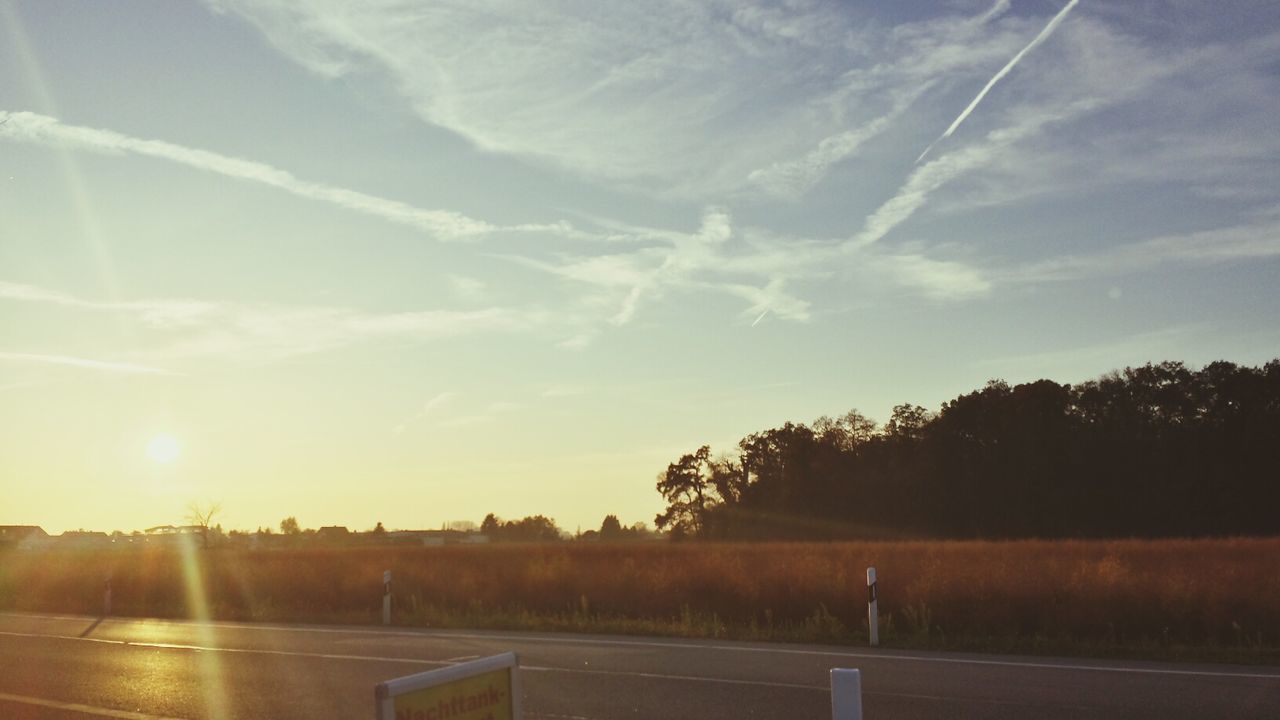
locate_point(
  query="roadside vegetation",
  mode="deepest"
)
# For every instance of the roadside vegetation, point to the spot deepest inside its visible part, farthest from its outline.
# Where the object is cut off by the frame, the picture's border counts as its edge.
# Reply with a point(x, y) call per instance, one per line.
point(1203, 599)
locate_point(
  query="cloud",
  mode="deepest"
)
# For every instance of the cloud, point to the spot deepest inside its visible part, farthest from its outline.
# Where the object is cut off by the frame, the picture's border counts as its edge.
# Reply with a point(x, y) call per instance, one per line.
point(576, 342)
point(1044, 34)
point(440, 224)
point(153, 313)
point(257, 333)
point(467, 288)
point(999, 8)
point(927, 178)
point(674, 97)
point(935, 279)
point(792, 178)
point(770, 298)
point(84, 363)
point(429, 407)
point(1237, 243)
point(1088, 360)
point(645, 273)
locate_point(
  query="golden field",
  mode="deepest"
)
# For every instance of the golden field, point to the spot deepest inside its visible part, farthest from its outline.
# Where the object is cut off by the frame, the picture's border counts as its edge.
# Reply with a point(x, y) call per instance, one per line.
point(1111, 596)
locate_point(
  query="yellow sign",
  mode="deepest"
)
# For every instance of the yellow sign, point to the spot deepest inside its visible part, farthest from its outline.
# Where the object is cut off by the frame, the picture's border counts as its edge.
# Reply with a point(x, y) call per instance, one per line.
point(479, 697)
point(484, 689)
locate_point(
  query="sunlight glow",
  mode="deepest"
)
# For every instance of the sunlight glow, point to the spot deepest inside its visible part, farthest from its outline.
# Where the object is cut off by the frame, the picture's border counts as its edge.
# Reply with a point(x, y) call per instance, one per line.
point(164, 449)
point(212, 684)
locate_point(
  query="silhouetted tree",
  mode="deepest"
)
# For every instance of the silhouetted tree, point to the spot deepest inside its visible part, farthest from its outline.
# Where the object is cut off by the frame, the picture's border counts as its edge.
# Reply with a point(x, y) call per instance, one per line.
point(611, 528)
point(686, 487)
point(201, 515)
point(535, 528)
point(1156, 450)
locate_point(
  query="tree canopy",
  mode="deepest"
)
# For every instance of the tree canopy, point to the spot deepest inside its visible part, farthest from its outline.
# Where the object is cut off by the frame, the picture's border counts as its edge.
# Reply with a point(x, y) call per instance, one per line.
point(535, 528)
point(1158, 450)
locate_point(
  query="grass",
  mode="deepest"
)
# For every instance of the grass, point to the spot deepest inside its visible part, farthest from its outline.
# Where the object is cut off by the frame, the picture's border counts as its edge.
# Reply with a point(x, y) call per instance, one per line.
point(1182, 599)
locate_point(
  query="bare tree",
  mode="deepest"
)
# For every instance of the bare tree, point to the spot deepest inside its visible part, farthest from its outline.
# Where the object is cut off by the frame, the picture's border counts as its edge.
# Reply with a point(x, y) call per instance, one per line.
point(201, 514)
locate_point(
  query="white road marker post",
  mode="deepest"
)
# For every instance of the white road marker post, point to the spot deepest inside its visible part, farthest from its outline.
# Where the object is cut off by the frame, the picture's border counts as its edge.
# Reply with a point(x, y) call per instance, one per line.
point(873, 611)
point(846, 694)
point(386, 597)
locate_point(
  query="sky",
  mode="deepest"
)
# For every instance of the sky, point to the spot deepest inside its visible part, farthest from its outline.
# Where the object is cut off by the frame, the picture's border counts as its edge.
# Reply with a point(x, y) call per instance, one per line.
point(413, 263)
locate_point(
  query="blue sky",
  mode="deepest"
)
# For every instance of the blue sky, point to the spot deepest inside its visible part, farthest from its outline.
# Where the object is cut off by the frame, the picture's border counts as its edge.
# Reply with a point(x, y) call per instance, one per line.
point(415, 264)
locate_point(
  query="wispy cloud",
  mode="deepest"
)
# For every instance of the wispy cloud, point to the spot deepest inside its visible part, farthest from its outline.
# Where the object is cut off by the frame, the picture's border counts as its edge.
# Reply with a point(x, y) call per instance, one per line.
point(154, 313)
point(931, 176)
point(1251, 241)
point(579, 341)
point(1066, 363)
point(704, 259)
point(999, 8)
point(793, 177)
point(467, 288)
point(255, 333)
point(934, 278)
point(1044, 34)
point(83, 363)
point(430, 406)
point(675, 97)
point(440, 224)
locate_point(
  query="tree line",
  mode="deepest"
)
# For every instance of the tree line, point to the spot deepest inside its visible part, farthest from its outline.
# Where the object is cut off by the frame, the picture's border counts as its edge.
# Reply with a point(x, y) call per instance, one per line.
point(1154, 451)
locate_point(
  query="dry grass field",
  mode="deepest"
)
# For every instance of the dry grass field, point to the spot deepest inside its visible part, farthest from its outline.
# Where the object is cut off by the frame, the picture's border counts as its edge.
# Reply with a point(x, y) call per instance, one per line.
point(1165, 598)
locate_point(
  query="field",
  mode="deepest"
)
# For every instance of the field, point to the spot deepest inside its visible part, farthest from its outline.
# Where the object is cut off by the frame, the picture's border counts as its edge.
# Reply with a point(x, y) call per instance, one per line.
point(1216, 599)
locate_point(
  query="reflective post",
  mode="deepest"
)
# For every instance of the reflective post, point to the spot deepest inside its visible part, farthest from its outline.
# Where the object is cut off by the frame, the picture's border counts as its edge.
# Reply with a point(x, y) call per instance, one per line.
point(873, 612)
point(846, 694)
point(386, 597)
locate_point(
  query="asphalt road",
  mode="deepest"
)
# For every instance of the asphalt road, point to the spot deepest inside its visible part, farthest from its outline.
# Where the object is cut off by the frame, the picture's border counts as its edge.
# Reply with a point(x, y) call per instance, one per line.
point(79, 667)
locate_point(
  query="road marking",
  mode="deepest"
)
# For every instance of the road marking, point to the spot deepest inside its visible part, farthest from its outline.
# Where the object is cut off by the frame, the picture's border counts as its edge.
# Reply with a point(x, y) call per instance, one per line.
point(698, 646)
point(414, 661)
point(687, 678)
point(77, 707)
point(530, 668)
point(245, 651)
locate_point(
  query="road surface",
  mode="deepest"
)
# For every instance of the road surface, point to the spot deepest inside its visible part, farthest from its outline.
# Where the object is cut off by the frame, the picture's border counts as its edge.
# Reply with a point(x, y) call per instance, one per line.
point(83, 668)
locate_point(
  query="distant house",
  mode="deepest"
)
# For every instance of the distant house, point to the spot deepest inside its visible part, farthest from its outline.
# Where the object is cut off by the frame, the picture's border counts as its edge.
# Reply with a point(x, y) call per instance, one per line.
point(24, 537)
point(429, 538)
point(333, 535)
point(83, 539)
point(434, 538)
point(171, 534)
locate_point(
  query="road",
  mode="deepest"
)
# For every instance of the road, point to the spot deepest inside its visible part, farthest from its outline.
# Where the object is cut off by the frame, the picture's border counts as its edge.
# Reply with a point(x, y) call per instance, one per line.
point(83, 667)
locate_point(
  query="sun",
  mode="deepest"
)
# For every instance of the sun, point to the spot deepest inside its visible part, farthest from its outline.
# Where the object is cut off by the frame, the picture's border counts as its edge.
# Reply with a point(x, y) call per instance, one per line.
point(163, 448)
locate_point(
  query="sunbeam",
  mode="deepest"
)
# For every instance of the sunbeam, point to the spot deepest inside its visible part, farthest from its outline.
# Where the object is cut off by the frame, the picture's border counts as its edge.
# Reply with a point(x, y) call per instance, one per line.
point(212, 687)
point(85, 214)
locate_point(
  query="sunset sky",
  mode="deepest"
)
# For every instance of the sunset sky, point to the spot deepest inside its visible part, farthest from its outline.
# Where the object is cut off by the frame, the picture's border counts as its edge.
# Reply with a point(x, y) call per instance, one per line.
point(417, 262)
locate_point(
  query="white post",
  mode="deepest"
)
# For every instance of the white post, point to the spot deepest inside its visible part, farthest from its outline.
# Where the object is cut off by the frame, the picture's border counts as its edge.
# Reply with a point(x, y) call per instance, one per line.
point(873, 611)
point(846, 694)
point(386, 597)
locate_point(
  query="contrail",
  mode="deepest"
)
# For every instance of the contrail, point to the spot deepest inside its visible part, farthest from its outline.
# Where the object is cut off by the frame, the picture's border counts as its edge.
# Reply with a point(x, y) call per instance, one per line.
point(128, 368)
point(31, 127)
point(761, 317)
point(1045, 33)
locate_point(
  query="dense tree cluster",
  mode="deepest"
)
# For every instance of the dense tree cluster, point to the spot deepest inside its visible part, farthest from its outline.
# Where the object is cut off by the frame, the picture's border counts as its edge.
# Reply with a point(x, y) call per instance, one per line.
point(535, 528)
point(1158, 450)
point(612, 530)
